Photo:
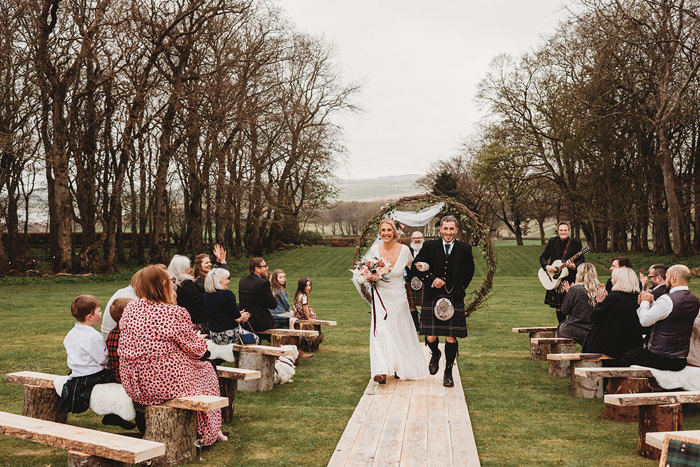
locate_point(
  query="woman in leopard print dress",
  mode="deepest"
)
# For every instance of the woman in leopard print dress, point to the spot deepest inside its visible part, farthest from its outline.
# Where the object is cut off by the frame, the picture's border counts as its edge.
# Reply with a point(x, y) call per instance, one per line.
point(161, 356)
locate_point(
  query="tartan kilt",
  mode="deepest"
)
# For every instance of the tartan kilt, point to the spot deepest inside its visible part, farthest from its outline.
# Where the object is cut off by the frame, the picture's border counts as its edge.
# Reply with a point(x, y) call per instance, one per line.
point(415, 297)
point(554, 298)
point(432, 326)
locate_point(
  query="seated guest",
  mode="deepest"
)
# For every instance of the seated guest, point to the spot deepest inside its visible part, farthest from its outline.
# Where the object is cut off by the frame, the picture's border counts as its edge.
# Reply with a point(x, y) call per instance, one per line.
point(116, 311)
point(256, 297)
point(671, 318)
point(203, 264)
point(281, 314)
point(694, 351)
point(578, 304)
point(302, 307)
point(188, 294)
point(616, 329)
point(619, 262)
point(221, 310)
point(655, 281)
point(87, 357)
point(160, 354)
point(107, 321)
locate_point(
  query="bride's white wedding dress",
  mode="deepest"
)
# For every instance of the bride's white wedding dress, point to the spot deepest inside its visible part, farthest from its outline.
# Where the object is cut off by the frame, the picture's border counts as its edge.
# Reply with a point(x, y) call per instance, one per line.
point(394, 345)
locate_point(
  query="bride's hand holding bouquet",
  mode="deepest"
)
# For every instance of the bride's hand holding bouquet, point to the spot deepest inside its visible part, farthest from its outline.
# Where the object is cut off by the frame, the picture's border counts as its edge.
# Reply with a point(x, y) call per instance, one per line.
point(372, 271)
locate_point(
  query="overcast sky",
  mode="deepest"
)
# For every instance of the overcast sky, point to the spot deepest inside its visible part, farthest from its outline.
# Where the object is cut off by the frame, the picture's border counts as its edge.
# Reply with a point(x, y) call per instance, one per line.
point(420, 63)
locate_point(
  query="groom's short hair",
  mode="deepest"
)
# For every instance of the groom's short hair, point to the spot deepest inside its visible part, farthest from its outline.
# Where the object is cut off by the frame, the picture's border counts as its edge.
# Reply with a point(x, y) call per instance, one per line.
point(449, 219)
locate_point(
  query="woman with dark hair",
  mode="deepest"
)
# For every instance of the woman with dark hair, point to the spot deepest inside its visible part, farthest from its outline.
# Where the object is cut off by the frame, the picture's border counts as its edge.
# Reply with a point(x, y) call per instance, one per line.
point(203, 264)
point(160, 354)
point(616, 328)
point(302, 308)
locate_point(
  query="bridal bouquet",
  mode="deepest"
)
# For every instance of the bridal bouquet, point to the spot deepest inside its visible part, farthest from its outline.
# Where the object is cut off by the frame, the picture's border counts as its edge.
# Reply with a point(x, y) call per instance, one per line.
point(371, 271)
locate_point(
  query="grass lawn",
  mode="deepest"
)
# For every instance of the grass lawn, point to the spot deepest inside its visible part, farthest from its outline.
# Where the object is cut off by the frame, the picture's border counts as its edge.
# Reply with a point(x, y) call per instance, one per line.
point(520, 414)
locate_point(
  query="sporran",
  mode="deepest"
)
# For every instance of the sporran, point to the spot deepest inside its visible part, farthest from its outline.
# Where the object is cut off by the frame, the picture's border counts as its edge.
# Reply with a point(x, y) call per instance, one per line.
point(416, 284)
point(444, 309)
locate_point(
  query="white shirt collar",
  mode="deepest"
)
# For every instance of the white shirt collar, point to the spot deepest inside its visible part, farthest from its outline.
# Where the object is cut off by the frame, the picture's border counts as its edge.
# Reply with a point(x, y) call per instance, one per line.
point(445, 243)
point(678, 287)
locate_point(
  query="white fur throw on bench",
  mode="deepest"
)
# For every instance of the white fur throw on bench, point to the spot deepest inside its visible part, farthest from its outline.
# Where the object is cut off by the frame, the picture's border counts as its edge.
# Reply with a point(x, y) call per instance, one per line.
point(688, 378)
point(105, 398)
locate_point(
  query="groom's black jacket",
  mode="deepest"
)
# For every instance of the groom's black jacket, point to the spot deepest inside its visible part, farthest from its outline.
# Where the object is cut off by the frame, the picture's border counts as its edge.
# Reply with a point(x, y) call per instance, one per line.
point(456, 270)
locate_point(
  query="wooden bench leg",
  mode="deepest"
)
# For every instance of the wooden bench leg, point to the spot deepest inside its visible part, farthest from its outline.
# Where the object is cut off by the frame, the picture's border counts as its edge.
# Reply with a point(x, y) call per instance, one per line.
point(78, 459)
point(561, 368)
point(584, 387)
point(43, 403)
point(624, 386)
point(657, 418)
point(227, 387)
point(263, 363)
point(539, 351)
point(177, 429)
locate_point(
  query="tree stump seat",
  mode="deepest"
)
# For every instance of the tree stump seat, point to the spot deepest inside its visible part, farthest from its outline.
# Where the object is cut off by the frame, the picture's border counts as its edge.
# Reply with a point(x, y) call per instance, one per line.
point(172, 423)
point(541, 331)
point(85, 447)
point(658, 411)
point(261, 358)
point(311, 344)
point(621, 380)
point(541, 346)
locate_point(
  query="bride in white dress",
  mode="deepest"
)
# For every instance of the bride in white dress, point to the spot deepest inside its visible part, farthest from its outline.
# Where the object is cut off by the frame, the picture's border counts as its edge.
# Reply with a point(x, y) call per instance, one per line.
point(394, 348)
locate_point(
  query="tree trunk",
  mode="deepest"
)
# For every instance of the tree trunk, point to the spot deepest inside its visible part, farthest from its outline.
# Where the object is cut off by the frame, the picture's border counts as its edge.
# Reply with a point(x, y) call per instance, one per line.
point(675, 214)
point(177, 428)
point(43, 403)
point(657, 418)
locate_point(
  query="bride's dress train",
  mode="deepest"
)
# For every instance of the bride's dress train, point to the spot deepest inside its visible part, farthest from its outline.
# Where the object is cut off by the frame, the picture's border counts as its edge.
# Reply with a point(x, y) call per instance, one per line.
point(393, 346)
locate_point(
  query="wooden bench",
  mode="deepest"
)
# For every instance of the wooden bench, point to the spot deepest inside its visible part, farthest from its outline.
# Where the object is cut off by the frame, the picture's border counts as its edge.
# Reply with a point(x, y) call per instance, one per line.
point(541, 346)
point(261, 358)
point(84, 446)
point(566, 363)
point(310, 344)
point(173, 422)
point(658, 411)
point(677, 447)
point(228, 383)
point(656, 438)
point(541, 331)
point(622, 380)
point(279, 337)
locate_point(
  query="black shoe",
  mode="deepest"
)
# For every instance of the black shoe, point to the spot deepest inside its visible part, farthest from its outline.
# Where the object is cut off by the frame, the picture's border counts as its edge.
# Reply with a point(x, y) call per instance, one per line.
point(381, 379)
point(447, 381)
point(434, 362)
point(114, 419)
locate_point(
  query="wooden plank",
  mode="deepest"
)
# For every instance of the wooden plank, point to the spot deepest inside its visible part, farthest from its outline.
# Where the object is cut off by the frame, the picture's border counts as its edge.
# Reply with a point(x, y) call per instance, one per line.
point(534, 329)
point(439, 439)
point(365, 446)
point(317, 322)
point(613, 372)
point(414, 449)
point(290, 332)
point(42, 380)
point(201, 403)
point(96, 443)
point(263, 350)
point(654, 398)
point(464, 450)
point(577, 356)
point(551, 340)
point(656, 438)
point(391, 438)
point(347, 440)
point(242, 374)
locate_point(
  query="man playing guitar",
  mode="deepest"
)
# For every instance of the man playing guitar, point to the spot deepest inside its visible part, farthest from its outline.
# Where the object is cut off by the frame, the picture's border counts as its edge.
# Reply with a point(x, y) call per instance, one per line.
point(562, 247)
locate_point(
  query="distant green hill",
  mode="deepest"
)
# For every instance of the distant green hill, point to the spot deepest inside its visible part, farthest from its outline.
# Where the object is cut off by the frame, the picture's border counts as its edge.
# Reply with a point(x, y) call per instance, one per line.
point(374, 189)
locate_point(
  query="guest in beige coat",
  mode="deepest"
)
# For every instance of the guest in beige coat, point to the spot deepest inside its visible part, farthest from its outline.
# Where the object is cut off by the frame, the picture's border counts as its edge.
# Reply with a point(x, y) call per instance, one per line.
point(694, 352)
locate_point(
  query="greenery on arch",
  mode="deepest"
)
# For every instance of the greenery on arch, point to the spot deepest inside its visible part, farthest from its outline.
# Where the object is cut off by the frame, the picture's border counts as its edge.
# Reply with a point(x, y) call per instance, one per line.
point(473, 232)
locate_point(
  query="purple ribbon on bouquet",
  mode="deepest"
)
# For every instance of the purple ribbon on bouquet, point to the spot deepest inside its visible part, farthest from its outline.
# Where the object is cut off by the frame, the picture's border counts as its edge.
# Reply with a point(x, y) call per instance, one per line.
point(374, 311)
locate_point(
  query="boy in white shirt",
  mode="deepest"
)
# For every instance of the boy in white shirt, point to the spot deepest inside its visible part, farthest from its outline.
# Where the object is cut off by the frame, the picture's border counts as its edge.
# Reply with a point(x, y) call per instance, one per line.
point(87, 357)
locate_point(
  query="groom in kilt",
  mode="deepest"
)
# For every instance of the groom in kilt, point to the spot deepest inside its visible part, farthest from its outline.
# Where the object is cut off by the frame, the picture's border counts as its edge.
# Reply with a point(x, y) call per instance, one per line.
point(446, 267)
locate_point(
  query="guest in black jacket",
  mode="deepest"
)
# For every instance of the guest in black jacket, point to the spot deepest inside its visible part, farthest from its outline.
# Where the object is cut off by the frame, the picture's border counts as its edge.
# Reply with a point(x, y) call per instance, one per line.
point(256, 297)
point(223, 315)
point(616, 327)
point(188, 294)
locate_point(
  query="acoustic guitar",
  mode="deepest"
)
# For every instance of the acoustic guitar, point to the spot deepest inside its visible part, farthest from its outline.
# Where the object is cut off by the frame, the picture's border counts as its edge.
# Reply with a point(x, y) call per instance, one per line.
point(552, 281)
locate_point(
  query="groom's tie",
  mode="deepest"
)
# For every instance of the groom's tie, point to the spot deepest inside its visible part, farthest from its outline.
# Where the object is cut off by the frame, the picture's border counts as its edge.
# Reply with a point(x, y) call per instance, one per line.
point(447, 249)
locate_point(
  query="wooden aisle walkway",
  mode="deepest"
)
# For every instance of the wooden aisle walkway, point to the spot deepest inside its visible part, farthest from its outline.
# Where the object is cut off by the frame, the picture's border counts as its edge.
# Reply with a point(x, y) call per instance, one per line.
point(409, 423)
